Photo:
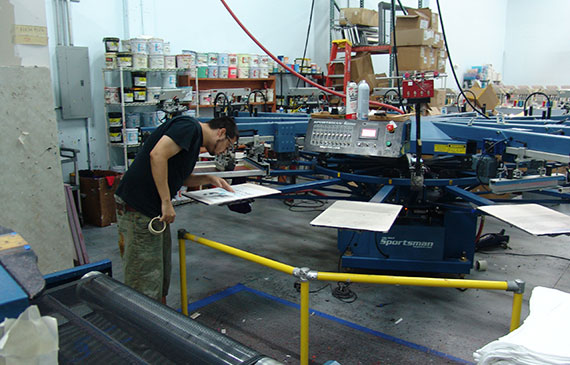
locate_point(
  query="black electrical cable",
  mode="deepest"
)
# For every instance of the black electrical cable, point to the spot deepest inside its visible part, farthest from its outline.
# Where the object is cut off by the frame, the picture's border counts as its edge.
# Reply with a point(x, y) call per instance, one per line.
point(467, 91)
point(451, 62)
point(307, 39)
point(342, 292)
point(402, 7)
point(531, 95)
point(305, 205)
point(522, 254)
point(395, 51)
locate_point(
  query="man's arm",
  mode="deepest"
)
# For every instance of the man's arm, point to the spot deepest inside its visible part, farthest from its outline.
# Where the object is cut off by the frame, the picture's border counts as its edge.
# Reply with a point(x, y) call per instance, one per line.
point(164, 149)
point(197, 180)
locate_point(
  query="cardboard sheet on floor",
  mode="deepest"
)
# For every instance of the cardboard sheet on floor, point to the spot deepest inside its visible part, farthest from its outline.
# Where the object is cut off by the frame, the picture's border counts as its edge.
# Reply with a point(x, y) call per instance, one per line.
point(375, 217)
point(532, 218)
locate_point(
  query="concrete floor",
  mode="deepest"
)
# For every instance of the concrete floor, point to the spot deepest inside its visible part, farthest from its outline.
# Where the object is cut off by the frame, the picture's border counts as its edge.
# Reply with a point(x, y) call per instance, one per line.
point(450, 321)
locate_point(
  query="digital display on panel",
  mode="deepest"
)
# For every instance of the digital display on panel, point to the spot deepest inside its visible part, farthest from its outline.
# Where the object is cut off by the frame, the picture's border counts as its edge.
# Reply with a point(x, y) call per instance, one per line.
point(369, 133)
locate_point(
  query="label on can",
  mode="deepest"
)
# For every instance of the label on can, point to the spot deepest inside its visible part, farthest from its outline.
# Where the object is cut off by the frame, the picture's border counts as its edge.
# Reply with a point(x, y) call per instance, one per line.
point(351, 100)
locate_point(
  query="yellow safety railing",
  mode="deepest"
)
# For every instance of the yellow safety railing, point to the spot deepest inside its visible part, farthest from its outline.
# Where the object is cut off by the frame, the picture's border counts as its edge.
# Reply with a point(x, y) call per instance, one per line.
point(305, 275)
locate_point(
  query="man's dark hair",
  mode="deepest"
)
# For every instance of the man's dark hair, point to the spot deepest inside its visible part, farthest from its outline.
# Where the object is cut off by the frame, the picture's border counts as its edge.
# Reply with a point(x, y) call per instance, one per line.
point(225, 122)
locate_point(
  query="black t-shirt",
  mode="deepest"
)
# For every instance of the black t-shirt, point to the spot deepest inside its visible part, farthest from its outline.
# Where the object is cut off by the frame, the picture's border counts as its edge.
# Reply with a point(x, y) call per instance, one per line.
point(137, 186)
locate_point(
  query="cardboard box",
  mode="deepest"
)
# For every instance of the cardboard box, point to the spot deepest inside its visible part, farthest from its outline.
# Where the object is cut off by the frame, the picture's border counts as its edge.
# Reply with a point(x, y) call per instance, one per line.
point(412, 21)
point(438, 99)
point(381, 83)
point(97, 189)
point(358, 16)
point(361, 68)
point(433, 17)
point(441, 57)
point(486, 96)
point(414, 37)
point(414, 58)
point(437, 40)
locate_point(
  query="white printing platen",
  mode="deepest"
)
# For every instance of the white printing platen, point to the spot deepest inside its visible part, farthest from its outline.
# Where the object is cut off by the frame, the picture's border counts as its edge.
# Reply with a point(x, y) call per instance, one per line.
point(532, 218)
point(375, 217)
point(217, 196)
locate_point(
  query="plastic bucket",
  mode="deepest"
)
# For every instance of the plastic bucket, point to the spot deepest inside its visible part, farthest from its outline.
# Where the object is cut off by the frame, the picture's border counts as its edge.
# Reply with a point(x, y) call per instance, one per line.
point(263, 61)
point(155, 46)
point(205, 97)
point(111, 44)
point(223, 72)
point(169, 80)
point(149, 119)
point(191, 71)
point(126, 45)
point(254, 61)
point(232, 72)
point(139, 78)
point(140, 60)
point(253, 73)
point(166, 48)
point(133, 120)
point(169, 61)
point(212, 72)
point(132, 136)
point(156, 61)
point(243, 60)
point(263, 72)
point(115, 135)
point(139, 94)
point(152, 94)
point(139, 45)
point(212, 59)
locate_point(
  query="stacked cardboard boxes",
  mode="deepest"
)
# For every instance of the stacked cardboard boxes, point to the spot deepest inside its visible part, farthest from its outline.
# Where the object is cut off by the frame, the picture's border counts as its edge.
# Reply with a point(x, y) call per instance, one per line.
point(419, 43)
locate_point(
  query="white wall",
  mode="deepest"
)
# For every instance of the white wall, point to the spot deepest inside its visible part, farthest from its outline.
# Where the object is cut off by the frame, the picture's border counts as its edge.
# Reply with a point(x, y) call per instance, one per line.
point(537, 46)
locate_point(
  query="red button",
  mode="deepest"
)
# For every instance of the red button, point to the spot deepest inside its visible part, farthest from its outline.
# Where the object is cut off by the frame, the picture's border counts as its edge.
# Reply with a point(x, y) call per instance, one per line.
point(390, 128)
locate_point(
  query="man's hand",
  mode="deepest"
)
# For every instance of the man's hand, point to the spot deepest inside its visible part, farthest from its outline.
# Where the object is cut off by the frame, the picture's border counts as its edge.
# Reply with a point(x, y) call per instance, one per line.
point(218, 181)
point(168, 213)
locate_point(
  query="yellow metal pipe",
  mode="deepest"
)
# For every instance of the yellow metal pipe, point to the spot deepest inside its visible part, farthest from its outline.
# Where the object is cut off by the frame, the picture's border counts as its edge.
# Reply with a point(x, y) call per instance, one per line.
point(419, 281)
point(287, 269)
point(182, 263)
point(304, 322)
point(516, 316)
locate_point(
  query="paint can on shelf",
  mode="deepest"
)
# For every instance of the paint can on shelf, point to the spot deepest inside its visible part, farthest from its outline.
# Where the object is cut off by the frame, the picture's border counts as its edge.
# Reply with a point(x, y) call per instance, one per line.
point(169, 80)
point(115, 135)
point(264, 60)
point(156, 61)
point(115, 119)
point(232, 72)
point(185, 60)
point(212, 72)
point(132, 135)
point(201, 58)
point(254, 61)
point(223, 59)
point(202, 71)
point(205, 97)
point(133, 120)
point(243, 72)
point(140, 61)
point(191, 53)
point(112, 95)
point(149, 119)
point(139, 45)
point(169, 61)
point(166, 48)
point(191, 71)
point(254, 72)
point(155, 46)
point(223, 72)
point(111, 44)
point(212, 59)
point(128, 95)
point(232, 59)
point(139, 78)
point(126, 45)
point(110, 60)
point(152, 94)
point(263, 72)
point(139, 94)
point(125, 59)
point(243, 60)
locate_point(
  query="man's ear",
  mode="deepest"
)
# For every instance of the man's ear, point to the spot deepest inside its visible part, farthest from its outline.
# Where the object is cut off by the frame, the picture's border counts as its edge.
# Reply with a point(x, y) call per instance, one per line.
point(221, 132)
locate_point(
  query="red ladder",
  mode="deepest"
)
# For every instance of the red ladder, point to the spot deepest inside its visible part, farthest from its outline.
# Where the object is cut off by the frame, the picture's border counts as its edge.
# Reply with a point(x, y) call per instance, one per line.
point(336, 44)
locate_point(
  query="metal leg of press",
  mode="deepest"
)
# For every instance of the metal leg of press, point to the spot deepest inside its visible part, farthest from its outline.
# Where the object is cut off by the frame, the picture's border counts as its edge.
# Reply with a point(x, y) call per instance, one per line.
point(115, 346)
point(183, 287)
point(304, 323)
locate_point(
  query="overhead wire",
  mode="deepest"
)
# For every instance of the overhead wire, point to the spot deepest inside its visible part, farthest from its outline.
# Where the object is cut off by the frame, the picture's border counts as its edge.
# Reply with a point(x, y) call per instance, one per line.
point(307, 38)
point(310, 82)
point(451, 62)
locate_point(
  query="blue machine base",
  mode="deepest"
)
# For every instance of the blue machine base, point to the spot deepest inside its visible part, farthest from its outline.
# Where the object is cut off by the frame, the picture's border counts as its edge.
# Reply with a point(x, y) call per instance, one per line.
point(447, 245)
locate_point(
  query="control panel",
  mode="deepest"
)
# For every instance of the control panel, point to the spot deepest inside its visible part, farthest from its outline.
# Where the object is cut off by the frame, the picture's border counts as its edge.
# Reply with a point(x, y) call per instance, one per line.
point(358, 137)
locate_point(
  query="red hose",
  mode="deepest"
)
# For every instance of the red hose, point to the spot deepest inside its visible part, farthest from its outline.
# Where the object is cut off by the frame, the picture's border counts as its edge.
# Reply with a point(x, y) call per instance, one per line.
point(375, 103)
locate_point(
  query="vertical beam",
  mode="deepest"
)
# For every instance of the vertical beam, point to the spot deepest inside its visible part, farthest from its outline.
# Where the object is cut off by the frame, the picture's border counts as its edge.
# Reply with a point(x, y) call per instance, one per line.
point(516, 316)
point(183, 287)
point(304, 323)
